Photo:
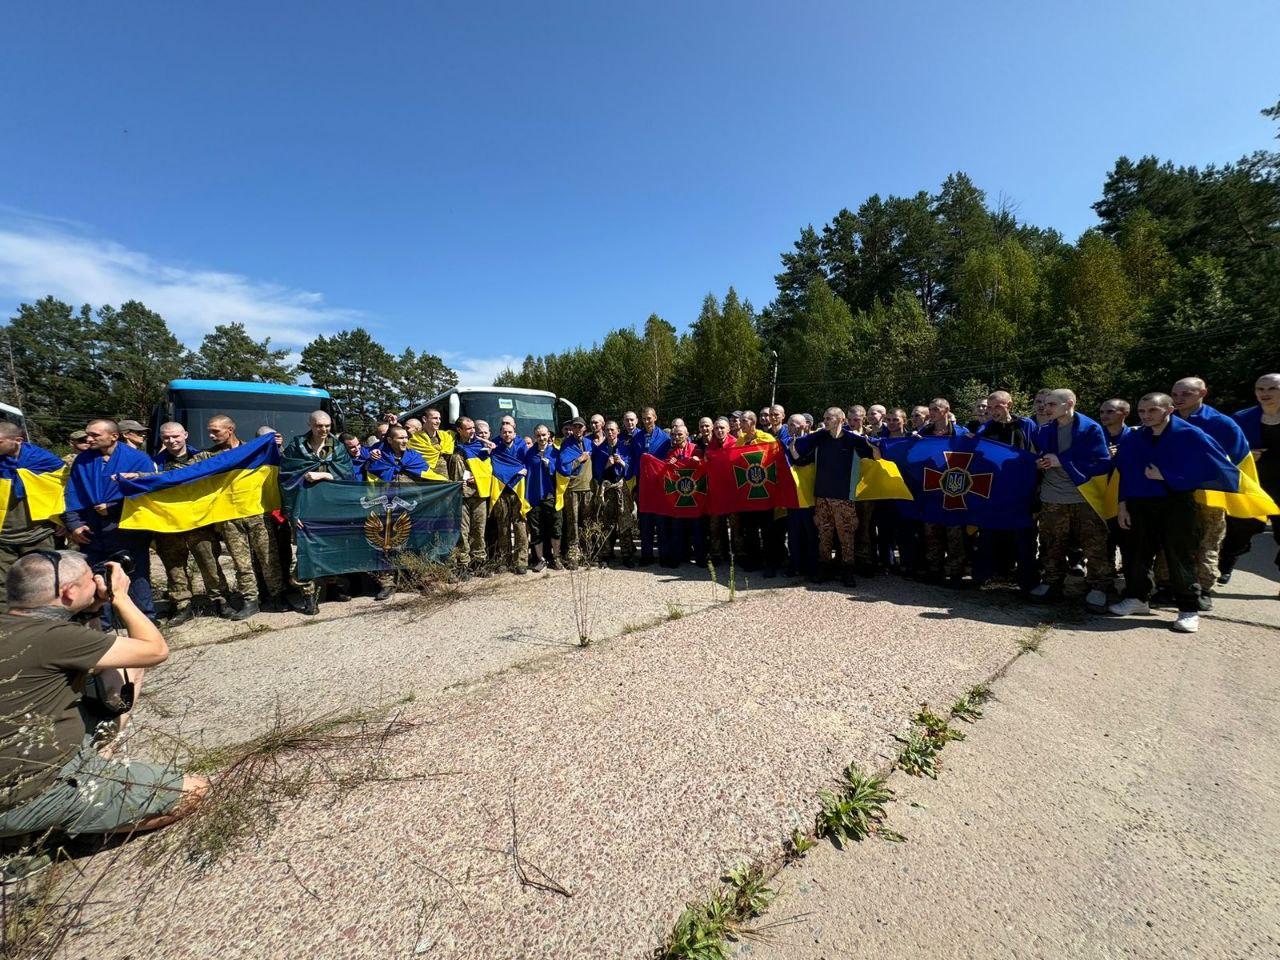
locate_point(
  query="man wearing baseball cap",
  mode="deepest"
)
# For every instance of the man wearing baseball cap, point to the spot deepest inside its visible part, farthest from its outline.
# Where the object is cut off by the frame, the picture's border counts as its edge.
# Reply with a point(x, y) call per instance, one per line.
point(134, 434)
point(79, 443)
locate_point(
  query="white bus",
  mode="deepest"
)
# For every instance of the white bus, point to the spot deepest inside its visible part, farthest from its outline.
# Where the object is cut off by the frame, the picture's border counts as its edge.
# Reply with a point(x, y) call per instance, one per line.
point(529, 407)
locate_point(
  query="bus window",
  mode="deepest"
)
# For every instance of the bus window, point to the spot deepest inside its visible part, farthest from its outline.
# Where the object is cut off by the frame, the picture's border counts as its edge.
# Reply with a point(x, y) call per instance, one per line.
point(287, 415)
point(493, 405)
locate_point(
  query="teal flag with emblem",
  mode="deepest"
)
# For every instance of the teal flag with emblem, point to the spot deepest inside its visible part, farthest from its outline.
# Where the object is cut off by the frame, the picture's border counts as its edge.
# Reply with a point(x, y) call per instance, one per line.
point(345, 526)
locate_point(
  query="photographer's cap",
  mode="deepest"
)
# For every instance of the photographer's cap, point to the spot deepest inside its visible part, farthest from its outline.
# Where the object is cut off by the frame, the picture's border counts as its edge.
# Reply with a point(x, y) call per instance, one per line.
point(132, 426)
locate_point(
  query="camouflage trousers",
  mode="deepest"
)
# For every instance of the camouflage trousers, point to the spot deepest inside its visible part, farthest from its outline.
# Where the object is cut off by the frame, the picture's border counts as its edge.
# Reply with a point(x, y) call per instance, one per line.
point(1211, 530)
point(578, 516)
point(248, 539)
point(943, 550)
point(175, 550)
point(512, 534)
point(475, 514)
point(615, 506)
point(835, 519)
point(1067, 525)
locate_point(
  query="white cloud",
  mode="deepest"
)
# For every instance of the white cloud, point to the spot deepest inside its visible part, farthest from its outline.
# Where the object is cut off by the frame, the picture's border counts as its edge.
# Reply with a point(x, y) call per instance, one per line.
point(480, 371)
point(39, 257)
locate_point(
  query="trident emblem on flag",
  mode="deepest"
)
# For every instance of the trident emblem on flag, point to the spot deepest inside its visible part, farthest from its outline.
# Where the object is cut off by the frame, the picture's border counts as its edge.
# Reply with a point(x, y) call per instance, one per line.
point(755, 475)
point(956, 482)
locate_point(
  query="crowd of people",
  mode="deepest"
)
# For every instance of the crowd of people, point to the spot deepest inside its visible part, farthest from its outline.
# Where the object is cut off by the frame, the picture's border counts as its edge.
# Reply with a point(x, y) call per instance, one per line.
point(578, 504)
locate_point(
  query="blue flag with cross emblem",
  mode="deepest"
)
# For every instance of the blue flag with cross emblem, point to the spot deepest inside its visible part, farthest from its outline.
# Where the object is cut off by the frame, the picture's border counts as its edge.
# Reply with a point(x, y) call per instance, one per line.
point(965, 481)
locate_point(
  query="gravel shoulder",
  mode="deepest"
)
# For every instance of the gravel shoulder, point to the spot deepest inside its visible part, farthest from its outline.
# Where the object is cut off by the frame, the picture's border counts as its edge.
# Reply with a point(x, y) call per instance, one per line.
point(635, 771)
point(1121, 798)
point(225, 684)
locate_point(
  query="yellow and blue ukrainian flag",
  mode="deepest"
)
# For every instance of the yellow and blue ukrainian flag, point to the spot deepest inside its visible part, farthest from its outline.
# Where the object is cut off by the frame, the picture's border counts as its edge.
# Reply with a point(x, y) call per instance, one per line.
point(39, 477)
point(237, 483)
point(507, 464)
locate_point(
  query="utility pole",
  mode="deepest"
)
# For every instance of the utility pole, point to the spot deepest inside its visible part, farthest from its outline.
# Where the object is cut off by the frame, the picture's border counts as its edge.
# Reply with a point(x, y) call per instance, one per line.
point(773, 394)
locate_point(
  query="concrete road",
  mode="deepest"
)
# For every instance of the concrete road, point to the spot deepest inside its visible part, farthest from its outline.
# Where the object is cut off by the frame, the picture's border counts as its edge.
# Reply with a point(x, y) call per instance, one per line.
point(1121, 798)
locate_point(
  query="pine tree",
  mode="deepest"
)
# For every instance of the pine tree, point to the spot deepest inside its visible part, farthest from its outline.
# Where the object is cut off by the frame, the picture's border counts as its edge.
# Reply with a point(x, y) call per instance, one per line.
point(229, 353)
point(137, 358)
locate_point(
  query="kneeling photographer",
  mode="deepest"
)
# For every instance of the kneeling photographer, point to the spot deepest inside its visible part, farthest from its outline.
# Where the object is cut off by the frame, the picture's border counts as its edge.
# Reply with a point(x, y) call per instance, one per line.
point(52, 775)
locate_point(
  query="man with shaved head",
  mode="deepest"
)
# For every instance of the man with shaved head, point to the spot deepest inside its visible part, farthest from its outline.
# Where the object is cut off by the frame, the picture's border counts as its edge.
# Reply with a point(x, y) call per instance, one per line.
point(836, 449)
point(1073, 449)
point(1261, 426)
point(1160, 467)
point(943, 544)
point(176, 549)
point(651, 439)
point(309, 458)
point(1000, 551)
point(876, 414)
point(1188, 401)
point(95, 502)
point(247, 538)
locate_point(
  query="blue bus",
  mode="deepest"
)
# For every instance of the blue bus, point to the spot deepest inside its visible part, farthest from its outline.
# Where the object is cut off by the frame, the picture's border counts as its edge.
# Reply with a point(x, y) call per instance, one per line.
point(251, 405)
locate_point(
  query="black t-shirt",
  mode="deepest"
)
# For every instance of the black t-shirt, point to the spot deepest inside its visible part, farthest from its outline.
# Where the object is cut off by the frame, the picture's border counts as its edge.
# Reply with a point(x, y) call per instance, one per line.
point(42, 672)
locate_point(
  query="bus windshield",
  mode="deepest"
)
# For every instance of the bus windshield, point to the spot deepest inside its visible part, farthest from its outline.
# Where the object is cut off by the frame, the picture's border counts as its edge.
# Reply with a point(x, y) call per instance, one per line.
point(288, 415)
point(493, 405)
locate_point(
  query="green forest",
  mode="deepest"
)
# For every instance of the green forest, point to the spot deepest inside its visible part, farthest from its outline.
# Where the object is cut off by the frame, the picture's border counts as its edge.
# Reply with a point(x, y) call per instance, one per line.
point(896, 301)
point(63, 366)
point(905, 298)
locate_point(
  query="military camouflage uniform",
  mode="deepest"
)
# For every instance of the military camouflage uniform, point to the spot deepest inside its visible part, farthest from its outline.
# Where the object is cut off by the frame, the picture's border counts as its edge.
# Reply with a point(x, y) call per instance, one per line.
point(943, 550)
point(176, 550)
point(835, 519)
point(1063, 525)
point(510, 526)
point(475, 513)
point(248, 539)
point(578, 512)
point(615, 505)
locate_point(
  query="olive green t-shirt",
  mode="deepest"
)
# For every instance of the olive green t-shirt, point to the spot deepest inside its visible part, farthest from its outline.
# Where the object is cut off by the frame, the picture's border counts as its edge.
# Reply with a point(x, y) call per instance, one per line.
point(42, 672)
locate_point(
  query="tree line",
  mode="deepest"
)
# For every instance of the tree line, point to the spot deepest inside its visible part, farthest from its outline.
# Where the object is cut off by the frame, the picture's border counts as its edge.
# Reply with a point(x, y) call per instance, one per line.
point(62, 366)
point(907, 297)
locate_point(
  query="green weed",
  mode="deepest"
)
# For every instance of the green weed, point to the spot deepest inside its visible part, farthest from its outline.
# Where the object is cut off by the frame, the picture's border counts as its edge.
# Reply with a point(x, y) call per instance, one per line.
point(799, 844)
point(919, 754)
point(856, 810)
point(749, 892)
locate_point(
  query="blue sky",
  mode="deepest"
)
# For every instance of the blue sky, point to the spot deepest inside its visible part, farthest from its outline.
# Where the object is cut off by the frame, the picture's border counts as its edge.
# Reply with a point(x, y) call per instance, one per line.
point(490, 181)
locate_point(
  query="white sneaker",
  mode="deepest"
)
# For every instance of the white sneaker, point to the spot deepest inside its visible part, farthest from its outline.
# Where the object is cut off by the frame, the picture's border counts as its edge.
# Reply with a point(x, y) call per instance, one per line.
point(1040, 591)
point(1187, 623)
point(1095, 599)
point(1129, 606)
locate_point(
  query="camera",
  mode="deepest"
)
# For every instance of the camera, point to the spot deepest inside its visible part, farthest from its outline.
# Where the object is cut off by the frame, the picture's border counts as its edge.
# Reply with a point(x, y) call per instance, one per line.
point(121, 557)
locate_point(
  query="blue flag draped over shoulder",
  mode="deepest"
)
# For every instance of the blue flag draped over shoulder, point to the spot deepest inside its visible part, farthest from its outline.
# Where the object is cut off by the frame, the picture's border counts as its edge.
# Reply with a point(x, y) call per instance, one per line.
point(345, 526)
point(510, 470)
point(965, 480)
point(242, 482)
